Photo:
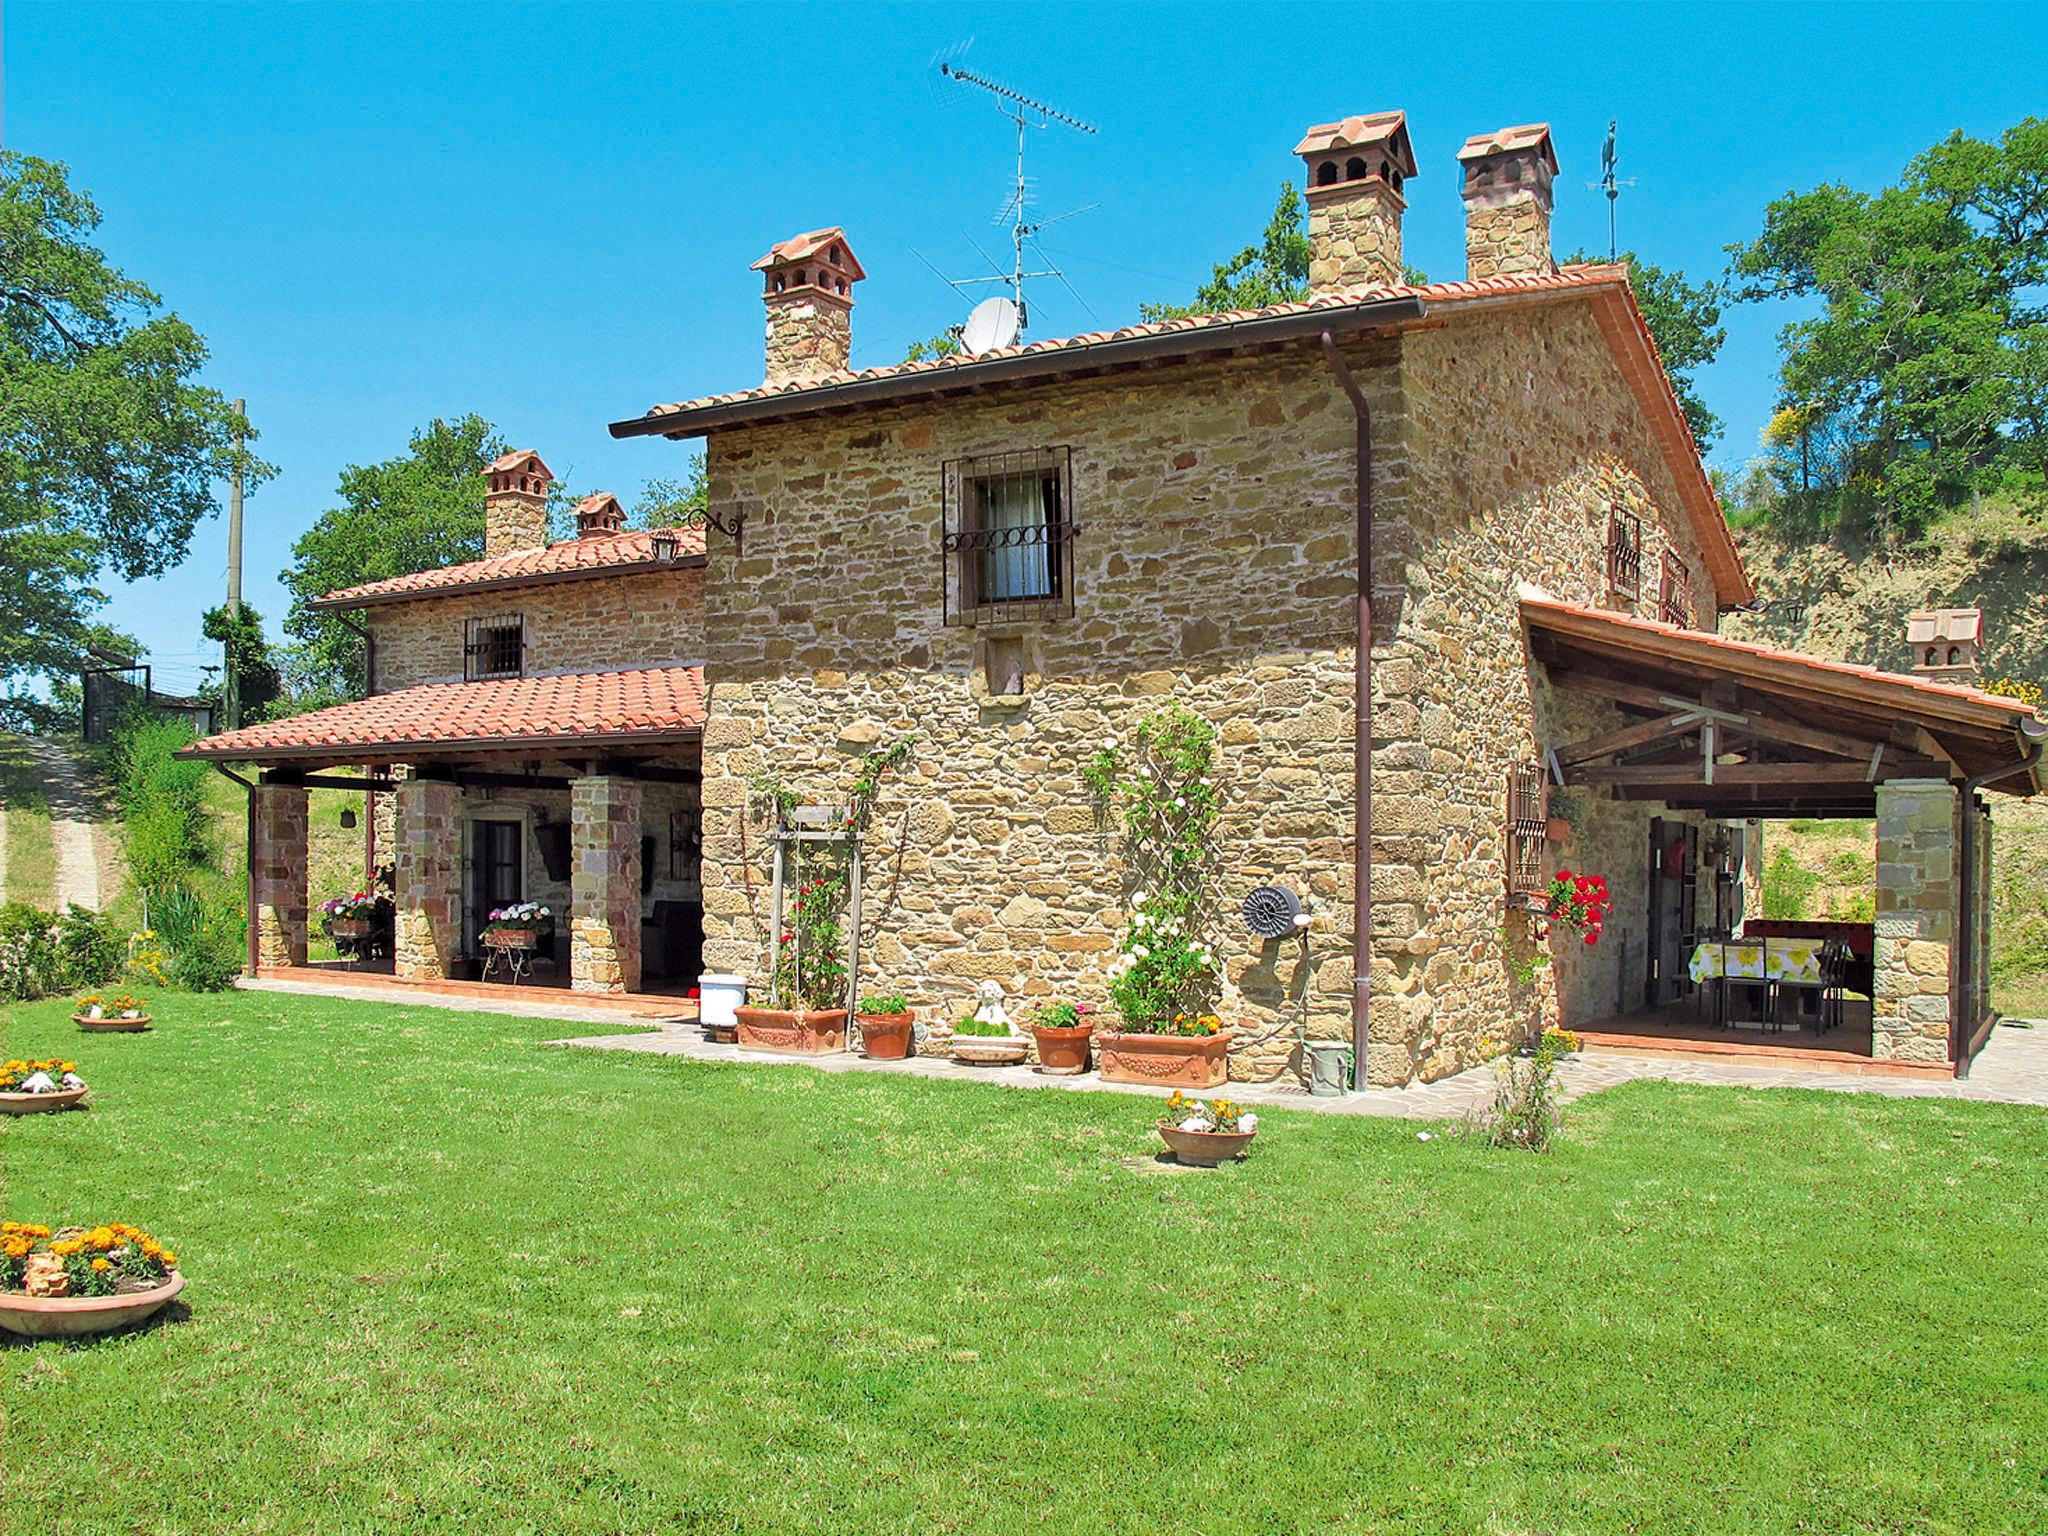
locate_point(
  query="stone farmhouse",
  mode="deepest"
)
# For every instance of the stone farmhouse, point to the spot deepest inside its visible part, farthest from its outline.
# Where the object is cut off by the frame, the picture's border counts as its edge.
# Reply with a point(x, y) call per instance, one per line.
point(1473, 505)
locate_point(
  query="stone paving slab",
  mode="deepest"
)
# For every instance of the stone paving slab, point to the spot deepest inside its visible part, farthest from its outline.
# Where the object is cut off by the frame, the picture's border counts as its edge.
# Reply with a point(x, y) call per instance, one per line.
point(2012, 1069)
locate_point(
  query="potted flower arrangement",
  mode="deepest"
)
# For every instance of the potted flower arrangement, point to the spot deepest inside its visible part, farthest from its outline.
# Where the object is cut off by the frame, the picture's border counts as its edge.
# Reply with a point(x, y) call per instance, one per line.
point(349, 917)
point(810, 974)
point(1577, 904)
point(33, 1087)
point(983, 1042)
point(79, 1280)
point(1184, 1050)
point(1062, 1031)
point(1206, 1132)
point(120, 1014)
point(515, 927)
point(884, 1019)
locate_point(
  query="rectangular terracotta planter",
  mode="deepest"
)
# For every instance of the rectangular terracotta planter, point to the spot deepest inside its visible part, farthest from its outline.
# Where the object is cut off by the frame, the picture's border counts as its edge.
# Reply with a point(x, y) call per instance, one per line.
point(1164, 1061)
point(788, 1032)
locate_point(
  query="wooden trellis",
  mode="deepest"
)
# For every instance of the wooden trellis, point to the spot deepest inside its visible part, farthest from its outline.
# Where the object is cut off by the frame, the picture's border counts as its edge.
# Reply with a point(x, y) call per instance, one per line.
point(816, 826)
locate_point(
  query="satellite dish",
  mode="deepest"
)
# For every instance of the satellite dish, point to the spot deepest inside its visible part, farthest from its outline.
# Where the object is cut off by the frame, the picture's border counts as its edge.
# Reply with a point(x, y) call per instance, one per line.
point(993, 324)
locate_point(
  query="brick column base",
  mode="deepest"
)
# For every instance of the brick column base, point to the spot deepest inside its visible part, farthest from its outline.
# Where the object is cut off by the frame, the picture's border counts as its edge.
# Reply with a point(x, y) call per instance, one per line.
point(1918, 887)
point(428, 852)
point(604, 885)
point(277, 872)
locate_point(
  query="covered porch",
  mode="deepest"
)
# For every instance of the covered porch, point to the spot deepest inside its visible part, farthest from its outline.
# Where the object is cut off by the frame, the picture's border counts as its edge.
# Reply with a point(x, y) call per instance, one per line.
point(1720, 738)
point(579, 793)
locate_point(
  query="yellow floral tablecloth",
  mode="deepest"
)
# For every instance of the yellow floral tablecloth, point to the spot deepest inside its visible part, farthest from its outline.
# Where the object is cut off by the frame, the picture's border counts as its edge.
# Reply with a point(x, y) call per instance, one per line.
point(1793, 962)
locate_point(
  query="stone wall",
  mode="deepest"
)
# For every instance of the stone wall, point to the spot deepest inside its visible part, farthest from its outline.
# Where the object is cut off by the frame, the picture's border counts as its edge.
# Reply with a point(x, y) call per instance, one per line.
point(1507, 236)
point(429, 878)
point(1919, 890)
point(604, 895)
point(1214, 568)
point(654, 619)
point(810, 334)
point(277, 872)
point(513, 522)
point(1354, 235)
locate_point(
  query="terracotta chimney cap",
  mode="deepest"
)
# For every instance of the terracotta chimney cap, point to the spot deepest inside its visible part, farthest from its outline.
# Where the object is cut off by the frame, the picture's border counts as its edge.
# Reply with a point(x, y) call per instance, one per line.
point(1529, 137)
point(518, 458)
point(1929, 624)
point(599, 516)
point(827, 245)
point(1383, 131)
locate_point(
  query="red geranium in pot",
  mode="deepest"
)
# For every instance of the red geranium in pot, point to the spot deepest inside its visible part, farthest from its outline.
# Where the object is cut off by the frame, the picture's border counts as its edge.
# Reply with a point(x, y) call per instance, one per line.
point(1577, 903)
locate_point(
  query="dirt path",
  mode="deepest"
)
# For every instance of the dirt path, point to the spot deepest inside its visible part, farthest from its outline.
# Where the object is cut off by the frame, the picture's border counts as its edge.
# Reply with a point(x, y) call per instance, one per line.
point(72, 814)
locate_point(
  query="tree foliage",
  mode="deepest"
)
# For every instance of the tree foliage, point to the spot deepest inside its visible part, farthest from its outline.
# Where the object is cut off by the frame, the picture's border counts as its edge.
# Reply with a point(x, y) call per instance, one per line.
point(108, 449)
point(1924, 344)
point(415, 512)
point(247, 659)
point(1273, 271)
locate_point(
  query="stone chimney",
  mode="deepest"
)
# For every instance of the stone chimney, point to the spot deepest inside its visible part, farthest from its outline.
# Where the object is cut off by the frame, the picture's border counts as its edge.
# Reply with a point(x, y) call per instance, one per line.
point(1507, 201)
point(516, 503)
point(599, 516)
point(1356, 170)
point(808, 287)
point(1944, 643)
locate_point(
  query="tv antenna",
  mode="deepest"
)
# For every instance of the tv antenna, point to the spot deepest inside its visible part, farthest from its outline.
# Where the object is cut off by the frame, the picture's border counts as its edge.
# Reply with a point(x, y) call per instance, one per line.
point(1026, 112)
point(1610, 184)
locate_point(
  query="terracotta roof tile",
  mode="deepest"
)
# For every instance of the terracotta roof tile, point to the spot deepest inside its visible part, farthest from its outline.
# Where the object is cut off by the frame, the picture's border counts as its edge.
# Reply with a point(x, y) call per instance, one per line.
point(1503, 140)
point(517, 457)
point(663, 702)
point(592, 555)
point(808, 246)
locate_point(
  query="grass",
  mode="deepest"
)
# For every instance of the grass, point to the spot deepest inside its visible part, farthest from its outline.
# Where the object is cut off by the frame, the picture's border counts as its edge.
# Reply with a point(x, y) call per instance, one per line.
point(444, 1278)
point(25, 824)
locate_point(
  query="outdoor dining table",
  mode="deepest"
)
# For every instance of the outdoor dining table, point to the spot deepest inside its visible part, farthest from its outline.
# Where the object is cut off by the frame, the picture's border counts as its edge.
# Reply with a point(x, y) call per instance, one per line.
point(1771, 964)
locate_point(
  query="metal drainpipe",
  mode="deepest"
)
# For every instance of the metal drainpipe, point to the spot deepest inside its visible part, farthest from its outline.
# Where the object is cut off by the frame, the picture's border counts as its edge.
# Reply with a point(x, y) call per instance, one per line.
point(1361, 860)
point(1961, 1028)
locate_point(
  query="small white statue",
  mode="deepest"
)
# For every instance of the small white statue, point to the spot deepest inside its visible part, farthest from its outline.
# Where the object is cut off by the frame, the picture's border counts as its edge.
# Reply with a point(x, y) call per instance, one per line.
point(38, 1082)
point(991, 1010)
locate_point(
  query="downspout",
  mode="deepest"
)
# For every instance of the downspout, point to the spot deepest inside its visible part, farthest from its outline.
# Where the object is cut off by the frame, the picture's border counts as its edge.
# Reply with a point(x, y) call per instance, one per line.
point(1962, 1026)
point(1361, 858)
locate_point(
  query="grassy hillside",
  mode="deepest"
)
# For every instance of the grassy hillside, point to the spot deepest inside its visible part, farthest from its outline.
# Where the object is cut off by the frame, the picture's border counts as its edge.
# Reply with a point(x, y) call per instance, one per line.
point(25, 825)
point(334, 853)
point(1850, 603)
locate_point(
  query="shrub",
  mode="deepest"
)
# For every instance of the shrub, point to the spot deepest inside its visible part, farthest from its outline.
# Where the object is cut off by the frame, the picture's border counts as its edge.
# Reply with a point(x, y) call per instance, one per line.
point(42, 954)
point(874, 1003)
point(168, 836)
point(1788, 888)
point(1526, 1113)
point(200, 936)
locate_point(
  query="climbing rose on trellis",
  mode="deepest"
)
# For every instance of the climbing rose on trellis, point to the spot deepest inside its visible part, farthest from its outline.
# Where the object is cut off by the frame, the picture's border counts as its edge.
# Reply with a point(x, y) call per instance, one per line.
point(1578, 904)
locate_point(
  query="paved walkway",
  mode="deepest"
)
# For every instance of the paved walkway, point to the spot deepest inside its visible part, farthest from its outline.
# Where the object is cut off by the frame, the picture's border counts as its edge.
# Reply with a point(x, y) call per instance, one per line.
point(2012, 1068)
point(71, 827)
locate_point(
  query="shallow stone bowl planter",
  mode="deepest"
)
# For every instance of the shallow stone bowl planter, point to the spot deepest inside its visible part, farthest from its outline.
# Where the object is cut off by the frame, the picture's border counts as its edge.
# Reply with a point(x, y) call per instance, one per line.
point(64, 1317)
point(791, 1031)
point(1205, 1149)
point(885, 1036)
point(990, 1050)
point(40, 1103)
point(110, 1024)
point(1164, 1061)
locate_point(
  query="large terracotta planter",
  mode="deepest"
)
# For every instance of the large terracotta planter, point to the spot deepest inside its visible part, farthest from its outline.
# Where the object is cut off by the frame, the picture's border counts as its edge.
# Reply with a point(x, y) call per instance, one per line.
point(109, 1025)
point(62, 1317)
point(509, 938)
point(1164, 1061)
point(792, 1031)
point(990, 1050)
point(1062, 1052)
point(885, 1036)
point(348, 928)
point(1205, 1149)
point(39, 1103)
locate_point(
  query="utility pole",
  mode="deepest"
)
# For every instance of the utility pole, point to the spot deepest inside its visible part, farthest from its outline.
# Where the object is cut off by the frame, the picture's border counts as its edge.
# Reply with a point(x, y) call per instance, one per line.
point(234, 684)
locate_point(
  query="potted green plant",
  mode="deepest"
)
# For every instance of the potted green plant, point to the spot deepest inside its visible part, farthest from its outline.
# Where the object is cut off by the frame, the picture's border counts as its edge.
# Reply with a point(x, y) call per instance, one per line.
point(1061, 1031)
point(988, 1043)
point(809, 1017)
point(1184, 1050)
point(885, 1020)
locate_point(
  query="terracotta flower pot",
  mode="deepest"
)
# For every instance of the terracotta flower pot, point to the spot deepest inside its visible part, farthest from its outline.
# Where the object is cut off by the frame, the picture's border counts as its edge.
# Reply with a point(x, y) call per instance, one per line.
point(1205, 1149)
point(1062, 1052)
point(58, 1317)
point(509, 938)
point(1168, 1061)
point(1557, 829)
point(885, 1036)
point(110, 1025)
point(39, 1103)
point(791, 1031)
point(990, 1050)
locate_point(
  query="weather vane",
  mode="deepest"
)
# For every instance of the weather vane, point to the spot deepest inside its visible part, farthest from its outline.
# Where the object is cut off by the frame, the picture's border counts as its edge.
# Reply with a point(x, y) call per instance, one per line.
point(1610, 184)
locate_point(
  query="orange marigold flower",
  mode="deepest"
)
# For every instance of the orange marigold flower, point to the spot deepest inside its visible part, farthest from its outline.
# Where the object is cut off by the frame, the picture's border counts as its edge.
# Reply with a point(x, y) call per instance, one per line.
point(102, 1264)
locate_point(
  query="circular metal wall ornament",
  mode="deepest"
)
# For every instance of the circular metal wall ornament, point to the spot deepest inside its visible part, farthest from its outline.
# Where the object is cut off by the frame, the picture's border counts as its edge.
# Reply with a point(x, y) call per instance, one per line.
point(1271, 910)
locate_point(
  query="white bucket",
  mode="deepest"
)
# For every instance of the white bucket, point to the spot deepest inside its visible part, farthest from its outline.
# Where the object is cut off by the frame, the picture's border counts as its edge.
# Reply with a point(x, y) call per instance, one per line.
point(717, 996)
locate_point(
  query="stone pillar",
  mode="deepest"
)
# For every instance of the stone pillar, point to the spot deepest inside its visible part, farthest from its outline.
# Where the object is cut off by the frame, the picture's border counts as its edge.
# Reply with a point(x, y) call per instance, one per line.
point(516, 503)
point(428, 853)
point(1918, 890)
point(1507, 189)
point(277, 872)
point(604, 884)
point(1980, 962)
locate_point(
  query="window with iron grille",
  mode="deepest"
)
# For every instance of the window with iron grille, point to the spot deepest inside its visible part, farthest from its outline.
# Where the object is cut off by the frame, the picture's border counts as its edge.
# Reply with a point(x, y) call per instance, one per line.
point(1624, 554)
point(1674, 592)
point(1009, 536)
point(1528, 819)
point(494, 647)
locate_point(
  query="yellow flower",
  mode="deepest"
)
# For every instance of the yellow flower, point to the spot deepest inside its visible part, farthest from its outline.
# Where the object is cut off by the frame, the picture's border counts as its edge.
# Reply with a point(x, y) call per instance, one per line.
point(170, 1259)
point(101, 1265)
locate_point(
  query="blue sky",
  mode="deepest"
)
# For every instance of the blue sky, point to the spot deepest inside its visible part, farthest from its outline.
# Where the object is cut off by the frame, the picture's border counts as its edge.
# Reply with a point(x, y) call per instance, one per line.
point(544, 213)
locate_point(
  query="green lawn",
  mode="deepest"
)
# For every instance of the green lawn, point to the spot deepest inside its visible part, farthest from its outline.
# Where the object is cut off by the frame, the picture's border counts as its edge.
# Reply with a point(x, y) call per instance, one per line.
point(443, 1278)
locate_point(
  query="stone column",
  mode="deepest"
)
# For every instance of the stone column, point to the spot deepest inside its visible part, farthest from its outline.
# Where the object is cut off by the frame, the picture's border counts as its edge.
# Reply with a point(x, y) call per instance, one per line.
point(604, 884)
point(1918, 890)
point(1980, 962)
point(277, 872)
point(428, 853)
